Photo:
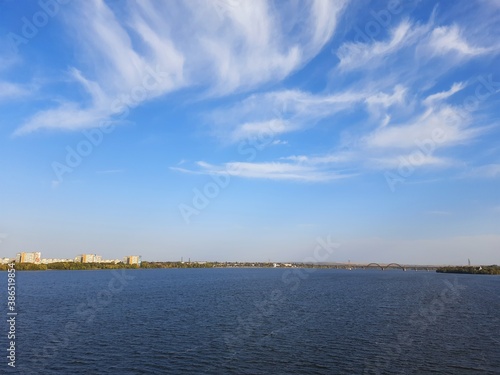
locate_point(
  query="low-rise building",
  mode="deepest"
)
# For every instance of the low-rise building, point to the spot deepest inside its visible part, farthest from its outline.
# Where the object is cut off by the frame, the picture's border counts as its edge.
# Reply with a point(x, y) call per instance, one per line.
point(24, 257)
point(88, 258)
point(133, 259)
point(57, 260)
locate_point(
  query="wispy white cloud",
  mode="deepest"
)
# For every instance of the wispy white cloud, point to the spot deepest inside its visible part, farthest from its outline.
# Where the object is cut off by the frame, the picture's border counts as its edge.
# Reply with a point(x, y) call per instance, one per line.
point(484, 171)
point(386, 100)
point(323, 159)
point(431, 99)
point(282, 112)
point(447, 39)
point(67, 116)
point(236, 56)
point(451, 123)
point(492, 3)
point(428, 127)
point(9, 91)
point(250, 130)
point(394, 160)
point(289, 169)
point(370, 55)
point(322, 21)
point(410, 40)
point(192, 43)
point(7, 62)
point(147, 49)
point(304, 168)
point(425, 125)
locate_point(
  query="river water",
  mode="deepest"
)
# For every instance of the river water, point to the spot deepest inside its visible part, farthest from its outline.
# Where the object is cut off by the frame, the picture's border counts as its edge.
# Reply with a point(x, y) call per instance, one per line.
point(255, 321)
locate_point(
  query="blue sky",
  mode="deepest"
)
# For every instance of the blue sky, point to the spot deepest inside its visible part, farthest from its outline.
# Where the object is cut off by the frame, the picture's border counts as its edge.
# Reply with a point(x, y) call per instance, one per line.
point(240, 131)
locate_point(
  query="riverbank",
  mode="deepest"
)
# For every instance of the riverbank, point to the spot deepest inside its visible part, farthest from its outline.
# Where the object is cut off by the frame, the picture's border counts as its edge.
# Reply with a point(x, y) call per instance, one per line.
point(472, 270)
point(68, 266)
point(170, 265)
point(144, 265)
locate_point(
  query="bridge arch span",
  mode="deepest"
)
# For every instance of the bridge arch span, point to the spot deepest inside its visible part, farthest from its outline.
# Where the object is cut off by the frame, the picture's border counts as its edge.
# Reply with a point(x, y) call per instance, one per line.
point(395, 264)
point(386, 266)
point(374, 264)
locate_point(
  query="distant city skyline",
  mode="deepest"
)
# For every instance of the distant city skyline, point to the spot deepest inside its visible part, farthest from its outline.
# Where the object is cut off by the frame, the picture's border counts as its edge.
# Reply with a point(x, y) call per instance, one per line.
point(36, 258)
point(83, 257)
point(229, 130)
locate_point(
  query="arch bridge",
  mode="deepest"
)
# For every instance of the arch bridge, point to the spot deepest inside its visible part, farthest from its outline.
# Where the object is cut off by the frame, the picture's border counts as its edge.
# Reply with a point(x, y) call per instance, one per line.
point(383, 267)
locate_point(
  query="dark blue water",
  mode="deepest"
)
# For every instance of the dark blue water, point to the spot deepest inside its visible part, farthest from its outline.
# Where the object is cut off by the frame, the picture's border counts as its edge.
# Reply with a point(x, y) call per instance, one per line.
point(254, 321)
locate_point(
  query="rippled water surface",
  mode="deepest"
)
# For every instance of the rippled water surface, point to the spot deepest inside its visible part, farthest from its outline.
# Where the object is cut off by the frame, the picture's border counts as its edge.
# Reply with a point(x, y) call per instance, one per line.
point(256, 321)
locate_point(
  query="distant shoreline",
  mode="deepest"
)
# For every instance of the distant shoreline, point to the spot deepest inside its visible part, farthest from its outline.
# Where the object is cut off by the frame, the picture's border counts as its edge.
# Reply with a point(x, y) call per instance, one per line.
point(75, 266)
point(471, 270)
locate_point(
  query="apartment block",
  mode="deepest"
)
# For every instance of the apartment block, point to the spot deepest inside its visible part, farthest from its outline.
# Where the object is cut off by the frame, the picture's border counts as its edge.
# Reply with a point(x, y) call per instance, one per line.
point(133, 259)
point(89, 258)
point(34, 257)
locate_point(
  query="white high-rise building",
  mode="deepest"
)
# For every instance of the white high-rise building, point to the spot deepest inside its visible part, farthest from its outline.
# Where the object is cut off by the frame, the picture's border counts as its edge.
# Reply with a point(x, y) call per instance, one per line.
point(35, 257)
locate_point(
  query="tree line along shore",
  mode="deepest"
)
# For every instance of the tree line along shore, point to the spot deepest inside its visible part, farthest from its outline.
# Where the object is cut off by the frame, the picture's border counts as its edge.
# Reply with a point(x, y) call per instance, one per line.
point(479, 270)
point(473, 270)
point(143, 265)
point(158, 265)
